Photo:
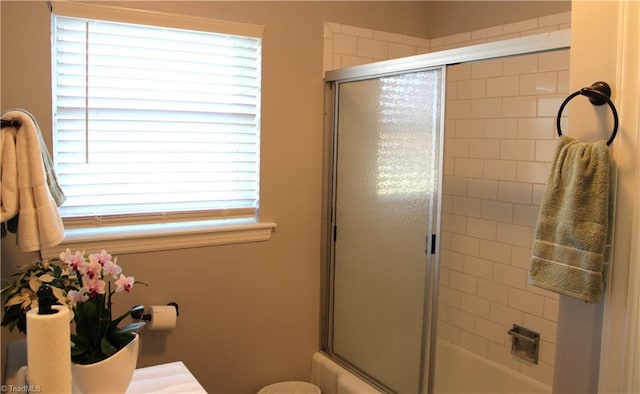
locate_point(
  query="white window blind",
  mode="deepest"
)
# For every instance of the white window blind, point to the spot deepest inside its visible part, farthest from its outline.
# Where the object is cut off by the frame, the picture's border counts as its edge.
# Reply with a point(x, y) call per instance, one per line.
point(154, 122)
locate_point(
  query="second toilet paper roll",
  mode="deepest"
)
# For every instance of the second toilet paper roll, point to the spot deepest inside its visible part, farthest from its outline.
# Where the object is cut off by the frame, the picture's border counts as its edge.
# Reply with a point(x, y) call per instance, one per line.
point(163, 317)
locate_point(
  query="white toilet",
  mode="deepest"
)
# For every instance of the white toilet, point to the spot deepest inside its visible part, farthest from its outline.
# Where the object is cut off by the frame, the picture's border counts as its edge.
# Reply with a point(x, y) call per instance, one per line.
point(290, 388)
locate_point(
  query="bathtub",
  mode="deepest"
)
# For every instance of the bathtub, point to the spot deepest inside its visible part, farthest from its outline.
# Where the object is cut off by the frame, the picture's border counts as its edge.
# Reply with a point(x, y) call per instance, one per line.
point(334, 379)
point(457, 371)
point(461, 371)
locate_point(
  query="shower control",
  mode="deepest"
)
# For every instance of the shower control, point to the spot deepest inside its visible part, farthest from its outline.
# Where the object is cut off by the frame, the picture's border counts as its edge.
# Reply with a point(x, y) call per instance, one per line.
point(525, 343)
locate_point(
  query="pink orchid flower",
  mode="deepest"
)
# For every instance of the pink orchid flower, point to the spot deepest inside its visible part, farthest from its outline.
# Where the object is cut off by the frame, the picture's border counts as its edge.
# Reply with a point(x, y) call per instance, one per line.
point(124, 283)
point(103, 257)
point(76, 296)
point(112, 269)
point(75, 261)
point(94, 286)
point(94, 270)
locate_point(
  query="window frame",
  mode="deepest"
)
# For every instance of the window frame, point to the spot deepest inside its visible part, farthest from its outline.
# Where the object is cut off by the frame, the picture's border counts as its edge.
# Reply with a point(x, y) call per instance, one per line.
point(134, 233)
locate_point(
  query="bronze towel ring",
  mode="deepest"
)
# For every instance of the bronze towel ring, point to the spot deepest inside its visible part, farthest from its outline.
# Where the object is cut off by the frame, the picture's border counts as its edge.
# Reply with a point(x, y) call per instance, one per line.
point(598, 94)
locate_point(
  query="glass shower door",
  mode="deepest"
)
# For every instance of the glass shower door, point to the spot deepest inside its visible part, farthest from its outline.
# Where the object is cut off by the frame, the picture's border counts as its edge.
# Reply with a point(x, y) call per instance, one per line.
point(386, 179)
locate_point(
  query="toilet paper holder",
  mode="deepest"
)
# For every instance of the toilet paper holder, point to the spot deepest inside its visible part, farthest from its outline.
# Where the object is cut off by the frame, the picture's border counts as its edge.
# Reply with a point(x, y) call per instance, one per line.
point(137, 312)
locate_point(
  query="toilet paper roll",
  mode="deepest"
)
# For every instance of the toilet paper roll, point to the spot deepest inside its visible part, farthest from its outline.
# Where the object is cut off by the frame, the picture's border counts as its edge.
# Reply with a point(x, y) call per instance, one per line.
point(163, 317)
point(49, 351)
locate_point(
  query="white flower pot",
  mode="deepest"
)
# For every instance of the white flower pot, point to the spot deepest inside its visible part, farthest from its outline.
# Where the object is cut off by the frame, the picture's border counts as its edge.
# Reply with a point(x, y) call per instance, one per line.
point(109, 376)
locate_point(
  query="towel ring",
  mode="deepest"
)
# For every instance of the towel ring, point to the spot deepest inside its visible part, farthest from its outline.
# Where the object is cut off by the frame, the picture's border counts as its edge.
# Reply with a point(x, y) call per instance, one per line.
point(598, 94)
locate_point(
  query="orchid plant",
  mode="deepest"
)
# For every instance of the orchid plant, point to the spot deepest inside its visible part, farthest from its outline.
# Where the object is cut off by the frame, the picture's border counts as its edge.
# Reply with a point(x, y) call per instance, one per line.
point(86, 284)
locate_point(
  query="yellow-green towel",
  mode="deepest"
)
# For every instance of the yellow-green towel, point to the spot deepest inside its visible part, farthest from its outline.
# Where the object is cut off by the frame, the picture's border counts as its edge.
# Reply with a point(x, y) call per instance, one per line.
point(571, 235)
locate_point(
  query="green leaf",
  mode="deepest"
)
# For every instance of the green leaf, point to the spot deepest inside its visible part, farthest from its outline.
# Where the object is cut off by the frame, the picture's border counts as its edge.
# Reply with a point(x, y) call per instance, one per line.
point(107, 348)
point(57, 271)
point(14, 315)
point(10, 291)
point(80, 342)
point(137, 309)
point(117, 320)
point(76, 348)
point(90, 310)
point(46, 278)
point(75, 352)
point(121, 340)
point(133, 327)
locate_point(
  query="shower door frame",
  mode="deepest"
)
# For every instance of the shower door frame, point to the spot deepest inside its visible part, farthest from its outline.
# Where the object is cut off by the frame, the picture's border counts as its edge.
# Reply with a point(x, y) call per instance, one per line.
point(550, 41)
point(431, 252)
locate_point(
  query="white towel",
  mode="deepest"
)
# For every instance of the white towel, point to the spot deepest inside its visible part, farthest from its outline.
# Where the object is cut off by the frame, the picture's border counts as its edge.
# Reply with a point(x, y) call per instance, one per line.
point(8, 175)
point(52, 179)
point(39, 222)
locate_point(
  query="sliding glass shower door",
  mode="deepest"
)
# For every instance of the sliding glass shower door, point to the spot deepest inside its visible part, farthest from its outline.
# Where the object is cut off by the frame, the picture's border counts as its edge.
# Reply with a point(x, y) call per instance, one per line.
point(384, 217)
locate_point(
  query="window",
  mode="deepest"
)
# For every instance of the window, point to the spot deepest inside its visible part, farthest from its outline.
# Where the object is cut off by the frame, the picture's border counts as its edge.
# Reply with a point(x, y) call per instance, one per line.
point(154, 123)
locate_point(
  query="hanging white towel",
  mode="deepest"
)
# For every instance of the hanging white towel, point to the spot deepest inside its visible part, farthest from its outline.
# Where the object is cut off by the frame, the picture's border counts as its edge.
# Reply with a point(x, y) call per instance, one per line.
point(52, 179)
point(39, 222)
point(8, 175)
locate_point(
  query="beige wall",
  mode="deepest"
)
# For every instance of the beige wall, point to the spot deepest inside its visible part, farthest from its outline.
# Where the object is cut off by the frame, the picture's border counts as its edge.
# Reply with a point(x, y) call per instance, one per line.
point(452, 17)
point(249, 313)
point(585, 363)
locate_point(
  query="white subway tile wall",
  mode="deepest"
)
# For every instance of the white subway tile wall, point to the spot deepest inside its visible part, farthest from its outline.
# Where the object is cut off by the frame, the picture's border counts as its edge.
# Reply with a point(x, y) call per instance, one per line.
point(499, 143)
point(508, 138)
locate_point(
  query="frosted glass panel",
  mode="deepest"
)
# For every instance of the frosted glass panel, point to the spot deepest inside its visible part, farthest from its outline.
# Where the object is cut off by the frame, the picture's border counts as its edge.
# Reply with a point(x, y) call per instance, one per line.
point(387, 155)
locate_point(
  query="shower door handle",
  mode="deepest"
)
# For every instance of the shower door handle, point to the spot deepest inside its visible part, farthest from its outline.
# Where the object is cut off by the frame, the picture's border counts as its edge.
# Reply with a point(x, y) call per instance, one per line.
point(430, 249)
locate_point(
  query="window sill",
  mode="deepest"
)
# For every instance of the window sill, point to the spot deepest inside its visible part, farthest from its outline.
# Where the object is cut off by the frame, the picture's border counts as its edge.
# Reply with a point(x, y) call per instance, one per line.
point(166, 236)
